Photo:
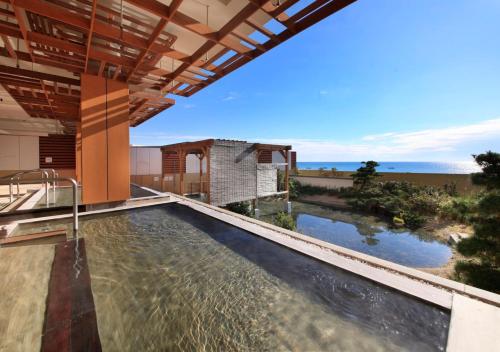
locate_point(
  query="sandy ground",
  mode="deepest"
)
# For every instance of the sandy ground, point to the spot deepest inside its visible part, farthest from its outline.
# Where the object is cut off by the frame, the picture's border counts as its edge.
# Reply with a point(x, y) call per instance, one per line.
point(442, 230)
point(24, 282)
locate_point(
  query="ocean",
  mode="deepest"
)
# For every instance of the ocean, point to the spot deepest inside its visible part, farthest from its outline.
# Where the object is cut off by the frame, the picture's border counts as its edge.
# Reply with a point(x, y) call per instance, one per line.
point(458, 167)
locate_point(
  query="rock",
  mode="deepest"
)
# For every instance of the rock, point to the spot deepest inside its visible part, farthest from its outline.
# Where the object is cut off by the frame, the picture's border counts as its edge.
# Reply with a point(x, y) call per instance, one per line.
point(457, 237)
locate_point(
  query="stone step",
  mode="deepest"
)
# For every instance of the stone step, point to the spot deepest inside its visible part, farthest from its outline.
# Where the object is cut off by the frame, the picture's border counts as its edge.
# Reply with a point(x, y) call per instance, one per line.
point(46, 237)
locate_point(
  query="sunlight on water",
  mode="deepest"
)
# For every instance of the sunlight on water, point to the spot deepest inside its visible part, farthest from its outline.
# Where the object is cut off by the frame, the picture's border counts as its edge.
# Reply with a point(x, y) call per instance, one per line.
point(168, 278)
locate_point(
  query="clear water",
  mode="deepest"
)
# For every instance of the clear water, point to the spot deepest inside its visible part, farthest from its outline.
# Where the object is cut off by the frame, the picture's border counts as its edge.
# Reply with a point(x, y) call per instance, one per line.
point(456, 167)
point(369, 235)
point(64, 196)
point(169, 278)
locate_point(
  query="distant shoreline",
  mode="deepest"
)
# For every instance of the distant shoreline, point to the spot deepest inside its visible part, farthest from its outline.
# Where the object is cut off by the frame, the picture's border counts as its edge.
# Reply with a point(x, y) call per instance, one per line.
point(460, 167)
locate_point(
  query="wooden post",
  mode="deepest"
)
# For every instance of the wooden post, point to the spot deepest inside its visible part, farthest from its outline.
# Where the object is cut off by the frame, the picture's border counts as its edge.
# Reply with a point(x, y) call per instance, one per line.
point(181, 171)
point(162, 170)
point(286, 176)
point(200, 156)
point(207, 153)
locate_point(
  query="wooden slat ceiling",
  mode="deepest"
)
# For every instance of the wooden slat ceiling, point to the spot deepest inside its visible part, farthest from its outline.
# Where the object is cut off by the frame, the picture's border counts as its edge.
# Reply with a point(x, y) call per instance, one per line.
point(175, 47)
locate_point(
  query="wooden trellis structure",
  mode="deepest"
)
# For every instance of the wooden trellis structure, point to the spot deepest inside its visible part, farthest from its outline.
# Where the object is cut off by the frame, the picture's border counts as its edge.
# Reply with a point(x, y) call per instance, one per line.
point(154, 47)
point(231, 167)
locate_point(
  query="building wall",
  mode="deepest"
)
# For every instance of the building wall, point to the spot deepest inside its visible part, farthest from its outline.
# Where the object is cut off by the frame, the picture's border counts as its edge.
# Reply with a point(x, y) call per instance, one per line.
point(19, 153)
point(145, 161)
point(57, 152)
point(326, 182)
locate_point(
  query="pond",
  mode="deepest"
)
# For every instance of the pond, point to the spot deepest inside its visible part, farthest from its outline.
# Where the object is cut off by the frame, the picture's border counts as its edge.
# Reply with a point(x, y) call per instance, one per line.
point(368, 234)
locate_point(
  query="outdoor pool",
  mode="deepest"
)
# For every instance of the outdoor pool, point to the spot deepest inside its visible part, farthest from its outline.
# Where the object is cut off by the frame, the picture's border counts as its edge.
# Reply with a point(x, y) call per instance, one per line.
point(170, 278)
point(369, 235)
point(64, 196)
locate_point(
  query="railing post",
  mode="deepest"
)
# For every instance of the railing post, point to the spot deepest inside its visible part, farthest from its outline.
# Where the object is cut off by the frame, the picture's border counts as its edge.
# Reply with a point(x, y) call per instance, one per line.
point(45, 173)
point(10, 192)
point(75, 204)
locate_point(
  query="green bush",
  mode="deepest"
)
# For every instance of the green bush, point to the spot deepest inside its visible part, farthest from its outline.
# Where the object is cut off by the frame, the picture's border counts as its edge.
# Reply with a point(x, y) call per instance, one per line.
point(458, 209)
point(479, 275)
point(412, 220)
point(285, 221)
point(412, 204)
point(484, 246)
point(243, 208)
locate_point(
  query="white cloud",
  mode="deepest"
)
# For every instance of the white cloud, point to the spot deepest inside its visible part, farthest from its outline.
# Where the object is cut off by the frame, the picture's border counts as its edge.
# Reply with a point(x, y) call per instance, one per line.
point(323, 92)
point(422, 145)
point(189, 106)
point(230, 96)
point(425, 145)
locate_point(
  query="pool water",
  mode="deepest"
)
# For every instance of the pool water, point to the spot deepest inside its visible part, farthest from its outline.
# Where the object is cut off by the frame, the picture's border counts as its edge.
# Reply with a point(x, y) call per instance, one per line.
point(169, 278)
point(369, 235)
point(64, 196)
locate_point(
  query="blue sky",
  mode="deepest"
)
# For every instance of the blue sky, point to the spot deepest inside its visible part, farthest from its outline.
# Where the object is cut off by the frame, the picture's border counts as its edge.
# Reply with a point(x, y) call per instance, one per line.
point(400, 80)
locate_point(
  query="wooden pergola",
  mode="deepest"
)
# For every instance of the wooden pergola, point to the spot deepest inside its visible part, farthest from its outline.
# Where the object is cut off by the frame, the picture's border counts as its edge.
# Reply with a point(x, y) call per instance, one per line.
point(158, 49)
point(202, 150)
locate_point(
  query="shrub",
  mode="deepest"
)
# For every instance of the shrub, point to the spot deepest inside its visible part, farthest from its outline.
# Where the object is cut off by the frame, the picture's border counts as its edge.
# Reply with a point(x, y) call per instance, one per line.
point(479, 275)
point(451, 189)
point(412, 220)
point(243, 208)
point(411, 203)
point(458, 209)
point(365, 174)
point(485, 243)
point(293, 188)
point(285, 221)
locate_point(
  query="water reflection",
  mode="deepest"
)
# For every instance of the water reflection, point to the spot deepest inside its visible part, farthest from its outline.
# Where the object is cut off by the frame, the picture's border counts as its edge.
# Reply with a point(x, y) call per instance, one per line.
point(369, 235)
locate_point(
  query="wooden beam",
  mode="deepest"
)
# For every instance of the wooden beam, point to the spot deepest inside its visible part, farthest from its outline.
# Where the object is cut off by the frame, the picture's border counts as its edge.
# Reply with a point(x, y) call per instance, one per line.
point(102, 29)
point(91, 31)
point(170, 11)
point(24, 32)
point(15, 72)
point(9, 47)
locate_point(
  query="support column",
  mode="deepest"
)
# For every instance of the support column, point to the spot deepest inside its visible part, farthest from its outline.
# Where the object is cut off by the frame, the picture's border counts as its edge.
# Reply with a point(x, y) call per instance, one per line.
point(105, 159)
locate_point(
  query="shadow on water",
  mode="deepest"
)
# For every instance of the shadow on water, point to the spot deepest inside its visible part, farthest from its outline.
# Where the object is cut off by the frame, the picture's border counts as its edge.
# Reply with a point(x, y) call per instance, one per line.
point(403, 320)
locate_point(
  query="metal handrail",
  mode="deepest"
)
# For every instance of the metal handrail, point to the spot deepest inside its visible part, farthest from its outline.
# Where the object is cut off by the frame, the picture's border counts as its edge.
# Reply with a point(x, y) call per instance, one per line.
point(18, 177)
point(58, 179)
point(43, 172)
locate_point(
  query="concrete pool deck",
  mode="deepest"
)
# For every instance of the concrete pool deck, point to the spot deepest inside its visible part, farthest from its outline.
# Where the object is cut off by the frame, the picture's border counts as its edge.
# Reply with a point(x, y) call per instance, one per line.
point(462, 300)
